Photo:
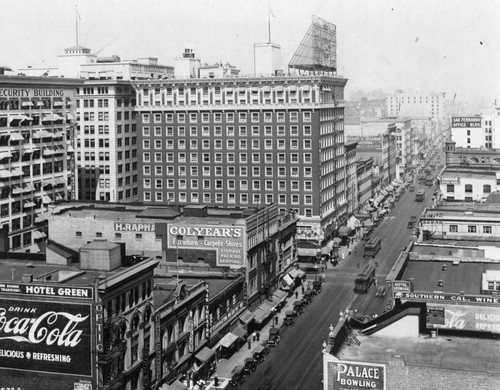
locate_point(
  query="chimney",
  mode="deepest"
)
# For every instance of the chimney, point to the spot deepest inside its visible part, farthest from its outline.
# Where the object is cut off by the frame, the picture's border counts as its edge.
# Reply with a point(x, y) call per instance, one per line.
point(27, 278)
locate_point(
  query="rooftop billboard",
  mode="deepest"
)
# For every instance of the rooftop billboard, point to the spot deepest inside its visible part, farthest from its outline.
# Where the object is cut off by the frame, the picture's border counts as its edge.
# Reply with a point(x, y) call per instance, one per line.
point(45, 336)
point(347, 375)
point(463, 317)
point(227, 240)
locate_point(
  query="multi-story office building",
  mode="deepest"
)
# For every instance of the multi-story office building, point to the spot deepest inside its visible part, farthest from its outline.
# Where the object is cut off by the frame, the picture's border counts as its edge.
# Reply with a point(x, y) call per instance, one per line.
point(351, 178)
point(430, 104)
point(364, 181)
point(37, 122)
point(245, 142)
point(106, 136)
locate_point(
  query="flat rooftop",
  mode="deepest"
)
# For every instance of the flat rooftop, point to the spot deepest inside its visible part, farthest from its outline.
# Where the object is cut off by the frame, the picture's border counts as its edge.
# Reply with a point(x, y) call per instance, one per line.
point(425, 363)
point(466, 276)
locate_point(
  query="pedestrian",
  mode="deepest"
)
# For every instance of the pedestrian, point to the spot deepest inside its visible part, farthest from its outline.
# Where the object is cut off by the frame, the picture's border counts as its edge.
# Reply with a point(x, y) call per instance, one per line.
point(216, 381)
point(343, 256)
point(249, 344)
point(349, 251)
point(375, 282)
point(296, 294)
point(254, 336)
point(258, 336)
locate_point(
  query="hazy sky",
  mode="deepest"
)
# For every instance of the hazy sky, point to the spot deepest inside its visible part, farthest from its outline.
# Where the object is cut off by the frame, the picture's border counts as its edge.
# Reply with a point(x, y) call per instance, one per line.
point(440, 45)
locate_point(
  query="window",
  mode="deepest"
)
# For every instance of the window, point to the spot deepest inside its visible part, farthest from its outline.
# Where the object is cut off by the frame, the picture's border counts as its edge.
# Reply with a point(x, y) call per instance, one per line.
point(307, 144)
point(450, 188)
point(487, 229)
point(306, 116)
point(472, 229)
point(468, 188)
point(486, 188)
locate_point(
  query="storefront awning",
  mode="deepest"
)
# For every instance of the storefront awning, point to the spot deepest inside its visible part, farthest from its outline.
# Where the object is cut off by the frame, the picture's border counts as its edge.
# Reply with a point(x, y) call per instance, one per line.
point(228, 340)
point(379, 199)
point(389, 188)
point(266, 306)
point(261, 315)
point(247, 316)
point(205, 354)
point(344, 231)
point(239, 332)
point(295, 272)
point(279, 296)
point(287, 280)
point(307, 252)
point(383, 192)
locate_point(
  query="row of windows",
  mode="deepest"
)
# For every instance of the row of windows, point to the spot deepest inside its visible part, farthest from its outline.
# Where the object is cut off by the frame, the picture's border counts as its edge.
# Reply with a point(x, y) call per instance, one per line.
point(230, 117)
point(471, 229)
point(469, 188)
point(207, 131)
point(230, 171)
point(243, 158)
point(244, 185)
point(230, 198)
point(255, 144)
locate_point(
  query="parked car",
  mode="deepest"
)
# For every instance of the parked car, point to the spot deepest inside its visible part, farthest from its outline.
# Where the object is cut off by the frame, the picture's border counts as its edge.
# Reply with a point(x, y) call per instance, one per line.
point(274, 337)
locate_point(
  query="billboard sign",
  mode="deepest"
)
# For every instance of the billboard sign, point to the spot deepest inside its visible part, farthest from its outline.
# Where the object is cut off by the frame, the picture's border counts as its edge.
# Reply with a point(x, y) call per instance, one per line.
point(447, 297)
point(45, 336)
point(227, 240)
point(346, 375)
point(463, 317)
point(466, 121)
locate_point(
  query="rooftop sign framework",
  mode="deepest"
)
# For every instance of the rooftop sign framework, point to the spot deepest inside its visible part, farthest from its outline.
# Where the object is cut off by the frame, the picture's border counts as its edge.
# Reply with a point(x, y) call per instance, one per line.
point(318, 50)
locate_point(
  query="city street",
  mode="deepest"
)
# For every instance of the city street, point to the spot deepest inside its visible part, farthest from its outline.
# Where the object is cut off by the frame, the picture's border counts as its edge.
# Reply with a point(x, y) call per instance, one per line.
point(296, 363)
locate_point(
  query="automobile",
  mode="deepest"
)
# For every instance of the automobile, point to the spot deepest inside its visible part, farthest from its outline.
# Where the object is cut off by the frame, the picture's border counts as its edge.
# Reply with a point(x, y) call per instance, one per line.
point(250, 365)
point(289, 317)
point(317, 286)
point(307, 297)
point(274, 337)
point(260, 353)
point(412, 188)
point(238, 376)
point(298, 307)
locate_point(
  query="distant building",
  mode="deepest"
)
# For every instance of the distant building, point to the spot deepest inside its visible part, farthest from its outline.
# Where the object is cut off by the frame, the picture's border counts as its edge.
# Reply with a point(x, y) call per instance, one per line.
point(376, 139)
point(408, 104)
point(218, 70)
point(351, 178)
point(37, 154)
point(364, 178)
point(187, 66)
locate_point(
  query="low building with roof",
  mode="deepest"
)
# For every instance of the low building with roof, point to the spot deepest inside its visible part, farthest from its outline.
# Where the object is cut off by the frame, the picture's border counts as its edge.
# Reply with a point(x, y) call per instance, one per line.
point(90, 319)
point(464, 221)
point(468, 183)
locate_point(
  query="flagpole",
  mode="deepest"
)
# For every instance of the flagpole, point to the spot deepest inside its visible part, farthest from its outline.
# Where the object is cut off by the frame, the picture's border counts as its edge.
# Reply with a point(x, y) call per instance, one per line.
point(76, 20)
point(269, 21)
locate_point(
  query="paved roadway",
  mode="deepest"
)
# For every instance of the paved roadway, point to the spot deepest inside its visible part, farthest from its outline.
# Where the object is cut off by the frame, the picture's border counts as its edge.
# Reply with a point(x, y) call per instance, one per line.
point(296, 364)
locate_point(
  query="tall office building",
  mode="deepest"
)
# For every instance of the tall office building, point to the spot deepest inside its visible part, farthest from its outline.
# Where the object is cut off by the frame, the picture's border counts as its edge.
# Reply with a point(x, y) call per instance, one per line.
point(243, 142)
point(106, 134)
point(37, 159)
point(247, 141)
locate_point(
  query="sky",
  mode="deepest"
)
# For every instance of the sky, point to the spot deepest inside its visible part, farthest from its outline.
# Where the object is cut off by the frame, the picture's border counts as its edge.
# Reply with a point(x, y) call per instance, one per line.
point(427, 45)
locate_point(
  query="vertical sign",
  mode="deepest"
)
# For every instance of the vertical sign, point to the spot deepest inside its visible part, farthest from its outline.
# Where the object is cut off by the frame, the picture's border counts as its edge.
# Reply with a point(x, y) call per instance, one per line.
point(157, 347)
point(207, 313)
point(99, 325)
point(191, 332)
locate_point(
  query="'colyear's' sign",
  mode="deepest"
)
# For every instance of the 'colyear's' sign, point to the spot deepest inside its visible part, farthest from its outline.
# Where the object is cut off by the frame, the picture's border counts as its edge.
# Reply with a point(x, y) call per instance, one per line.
point(227, 240)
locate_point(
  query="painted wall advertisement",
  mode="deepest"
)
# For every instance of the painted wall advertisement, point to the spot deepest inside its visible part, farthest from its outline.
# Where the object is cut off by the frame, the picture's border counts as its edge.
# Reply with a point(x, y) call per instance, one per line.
point(227, 240)
point(463, 317)
point(45, 336)
point(465, 121)
point(346, 375)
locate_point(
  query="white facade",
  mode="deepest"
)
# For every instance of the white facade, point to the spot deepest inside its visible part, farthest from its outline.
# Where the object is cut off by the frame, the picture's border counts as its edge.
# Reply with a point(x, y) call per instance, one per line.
point(187, 66)
point(267, 59)
point(69, 63)
point(430, 104)
point(468, 187)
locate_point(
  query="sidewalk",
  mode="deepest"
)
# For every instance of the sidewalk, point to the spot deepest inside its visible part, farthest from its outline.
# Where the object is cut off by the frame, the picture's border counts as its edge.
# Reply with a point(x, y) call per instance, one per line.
point(225, 366)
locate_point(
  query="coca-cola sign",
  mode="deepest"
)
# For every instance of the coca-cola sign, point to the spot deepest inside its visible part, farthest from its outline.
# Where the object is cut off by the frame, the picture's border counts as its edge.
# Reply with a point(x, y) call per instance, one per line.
point(45, 336)
point(465, 317)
